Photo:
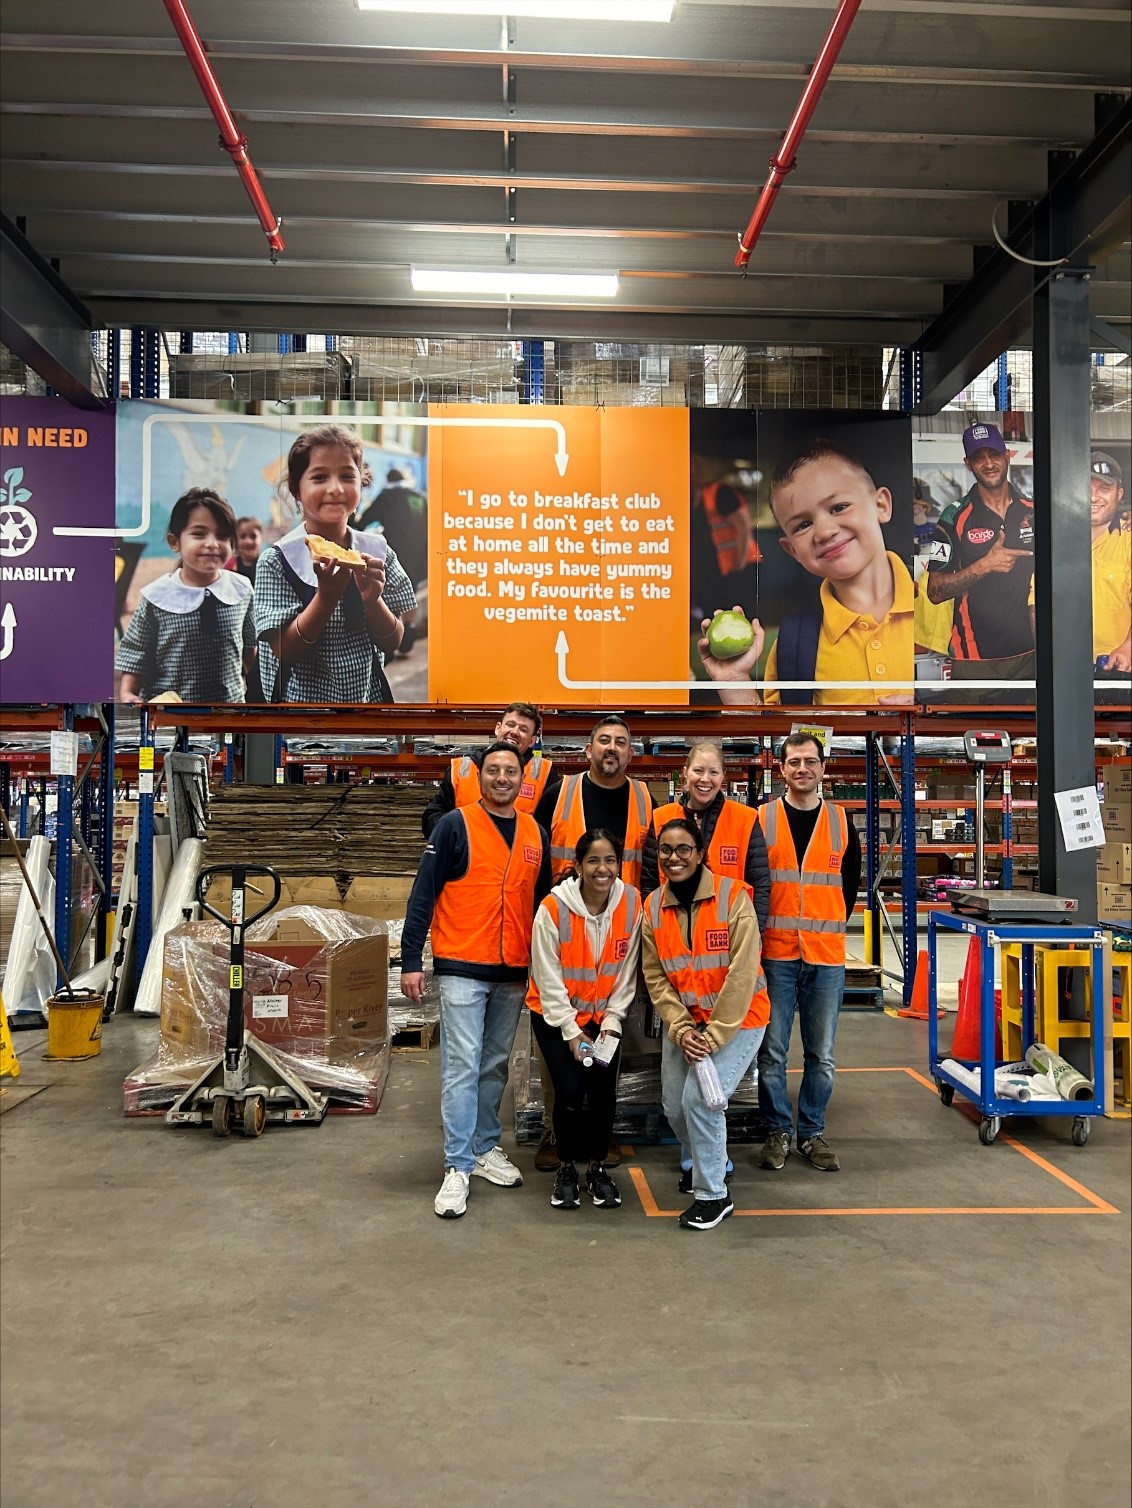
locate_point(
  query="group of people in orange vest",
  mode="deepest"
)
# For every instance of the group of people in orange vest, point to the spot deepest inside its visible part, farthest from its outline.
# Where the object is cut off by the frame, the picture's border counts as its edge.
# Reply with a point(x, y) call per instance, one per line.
point(563, 895)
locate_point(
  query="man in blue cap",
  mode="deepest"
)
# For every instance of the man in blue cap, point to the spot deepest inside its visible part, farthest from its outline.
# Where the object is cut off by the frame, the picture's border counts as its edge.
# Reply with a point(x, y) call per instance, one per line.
point(984, 562)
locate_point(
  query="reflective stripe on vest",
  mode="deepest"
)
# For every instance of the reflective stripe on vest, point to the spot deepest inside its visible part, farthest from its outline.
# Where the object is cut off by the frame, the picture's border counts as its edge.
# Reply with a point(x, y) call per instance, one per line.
point(569, 823)
point(465, 777)
point(807, 907)
point(487, 915)
point(589, 984)
point(697, 969)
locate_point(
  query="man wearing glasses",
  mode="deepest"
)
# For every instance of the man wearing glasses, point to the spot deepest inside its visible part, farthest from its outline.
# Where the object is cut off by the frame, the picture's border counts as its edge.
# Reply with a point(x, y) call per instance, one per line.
point(815, 870)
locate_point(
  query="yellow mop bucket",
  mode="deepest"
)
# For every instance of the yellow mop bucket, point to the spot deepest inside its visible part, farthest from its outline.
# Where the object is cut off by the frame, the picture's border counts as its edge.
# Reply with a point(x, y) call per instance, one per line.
point(74, 1025)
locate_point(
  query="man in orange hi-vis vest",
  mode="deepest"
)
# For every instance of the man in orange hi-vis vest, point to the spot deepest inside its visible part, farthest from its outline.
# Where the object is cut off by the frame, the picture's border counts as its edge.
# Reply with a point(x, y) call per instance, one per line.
point(519, 724)
point(484, 871)
point(815, 869)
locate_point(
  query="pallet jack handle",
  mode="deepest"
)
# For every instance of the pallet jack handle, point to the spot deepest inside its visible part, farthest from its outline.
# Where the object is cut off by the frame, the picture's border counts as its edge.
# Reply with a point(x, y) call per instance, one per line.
point(237, 923)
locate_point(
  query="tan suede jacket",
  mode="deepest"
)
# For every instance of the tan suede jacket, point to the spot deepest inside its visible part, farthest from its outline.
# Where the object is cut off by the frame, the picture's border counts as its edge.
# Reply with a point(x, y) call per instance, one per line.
point(734, 1000)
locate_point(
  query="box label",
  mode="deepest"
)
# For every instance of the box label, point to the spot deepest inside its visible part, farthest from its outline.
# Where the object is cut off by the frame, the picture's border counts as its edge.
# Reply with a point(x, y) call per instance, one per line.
point(269, 1007)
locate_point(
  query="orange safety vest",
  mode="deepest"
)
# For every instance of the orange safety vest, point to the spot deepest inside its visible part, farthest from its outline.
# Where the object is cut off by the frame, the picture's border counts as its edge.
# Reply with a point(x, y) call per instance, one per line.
point(487, 915)
point(807, 908)
point(465, 775)
point(589, 982)
point(730, 837)
point(734, 548)
point(698, 975)
point(569, 823)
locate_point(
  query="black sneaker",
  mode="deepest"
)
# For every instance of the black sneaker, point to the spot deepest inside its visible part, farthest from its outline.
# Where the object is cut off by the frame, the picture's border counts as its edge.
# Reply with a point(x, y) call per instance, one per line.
point(706, 1214)
point(566, 1195)
point(602, 1188)
point(685, 1184)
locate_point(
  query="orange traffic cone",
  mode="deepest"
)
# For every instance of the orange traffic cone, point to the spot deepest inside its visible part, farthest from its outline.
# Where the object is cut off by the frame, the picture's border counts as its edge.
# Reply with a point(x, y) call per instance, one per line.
point(918, 1010)
point(965, 1042)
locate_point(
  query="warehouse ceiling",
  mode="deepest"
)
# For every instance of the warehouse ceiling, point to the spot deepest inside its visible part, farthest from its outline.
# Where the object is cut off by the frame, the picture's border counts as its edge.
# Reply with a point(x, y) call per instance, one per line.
point(385, 141)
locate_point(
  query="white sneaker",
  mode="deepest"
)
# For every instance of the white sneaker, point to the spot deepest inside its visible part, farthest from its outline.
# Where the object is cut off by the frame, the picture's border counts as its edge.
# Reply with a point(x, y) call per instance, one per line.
point(452, 1200)
point(496, 1168)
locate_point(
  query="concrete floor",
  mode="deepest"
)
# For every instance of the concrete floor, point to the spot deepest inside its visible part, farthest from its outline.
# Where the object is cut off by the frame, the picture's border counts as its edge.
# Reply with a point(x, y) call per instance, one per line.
point(196, 1324)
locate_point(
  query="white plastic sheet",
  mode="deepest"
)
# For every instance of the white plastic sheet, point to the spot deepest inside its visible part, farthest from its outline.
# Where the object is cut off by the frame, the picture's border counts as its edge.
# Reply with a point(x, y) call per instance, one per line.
point(29, 975)
point(180, 892)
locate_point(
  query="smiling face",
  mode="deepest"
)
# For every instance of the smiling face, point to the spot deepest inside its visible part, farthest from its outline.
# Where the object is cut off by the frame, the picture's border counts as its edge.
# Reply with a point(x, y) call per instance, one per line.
point(831, 518)
point(989, 467)
point(1105, 497)
point(249, 542)
point(598, 869)
point(501, 775)
point(329, 491)
point(678, 852)
point(609, 752)
point(703, 778)
point(802, 767)
point(513, 728)
point(203, 547)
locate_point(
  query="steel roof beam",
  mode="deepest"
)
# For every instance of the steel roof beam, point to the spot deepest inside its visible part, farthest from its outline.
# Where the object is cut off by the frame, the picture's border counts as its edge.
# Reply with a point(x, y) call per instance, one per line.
point(42, 321)
point(1092, 200)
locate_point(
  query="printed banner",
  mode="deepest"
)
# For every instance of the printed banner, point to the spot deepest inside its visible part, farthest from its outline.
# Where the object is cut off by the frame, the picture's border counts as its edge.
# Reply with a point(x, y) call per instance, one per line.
point(57, 548)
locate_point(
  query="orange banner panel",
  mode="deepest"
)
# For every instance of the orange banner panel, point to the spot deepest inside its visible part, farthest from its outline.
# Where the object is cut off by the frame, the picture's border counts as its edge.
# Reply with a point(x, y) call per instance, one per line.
point(558, 545)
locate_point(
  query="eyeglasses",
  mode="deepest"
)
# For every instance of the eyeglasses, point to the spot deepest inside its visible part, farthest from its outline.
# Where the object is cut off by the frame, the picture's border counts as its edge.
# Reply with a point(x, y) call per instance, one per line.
point(681, 851)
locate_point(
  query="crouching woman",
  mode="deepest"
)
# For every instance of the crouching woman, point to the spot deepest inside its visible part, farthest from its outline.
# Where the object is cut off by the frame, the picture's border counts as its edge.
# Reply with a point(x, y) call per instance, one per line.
point(702, 960)
point(584, 954)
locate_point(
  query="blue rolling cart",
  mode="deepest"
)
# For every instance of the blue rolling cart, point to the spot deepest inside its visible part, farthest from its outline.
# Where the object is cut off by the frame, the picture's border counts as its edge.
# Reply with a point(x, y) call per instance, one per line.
point(989, 934)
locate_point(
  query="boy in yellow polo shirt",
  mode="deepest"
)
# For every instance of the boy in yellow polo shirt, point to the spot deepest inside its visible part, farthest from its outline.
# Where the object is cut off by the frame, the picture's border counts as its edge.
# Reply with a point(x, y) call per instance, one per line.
point(830, 512)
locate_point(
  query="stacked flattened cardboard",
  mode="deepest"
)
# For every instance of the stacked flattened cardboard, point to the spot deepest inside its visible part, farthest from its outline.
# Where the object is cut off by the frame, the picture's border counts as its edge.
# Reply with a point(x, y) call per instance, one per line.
point(1114, 860)
point(341, 830)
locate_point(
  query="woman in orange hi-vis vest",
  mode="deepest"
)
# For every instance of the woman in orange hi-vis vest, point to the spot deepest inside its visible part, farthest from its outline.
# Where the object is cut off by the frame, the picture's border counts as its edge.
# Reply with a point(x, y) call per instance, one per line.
point(733, 840)
point(584, 953)
point(700, 951)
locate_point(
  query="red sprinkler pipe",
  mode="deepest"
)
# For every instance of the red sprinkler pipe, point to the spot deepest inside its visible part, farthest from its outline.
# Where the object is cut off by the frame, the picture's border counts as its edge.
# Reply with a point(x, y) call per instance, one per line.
point(785, 159)
point(231, 139)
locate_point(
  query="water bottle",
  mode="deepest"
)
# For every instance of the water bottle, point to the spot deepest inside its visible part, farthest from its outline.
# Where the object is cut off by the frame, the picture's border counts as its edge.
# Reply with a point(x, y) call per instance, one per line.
point(586, 1054)
point(710, 1087)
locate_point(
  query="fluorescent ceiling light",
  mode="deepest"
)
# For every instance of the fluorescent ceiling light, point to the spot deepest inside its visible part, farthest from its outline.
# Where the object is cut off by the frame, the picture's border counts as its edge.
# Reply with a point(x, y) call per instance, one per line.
point(549, 10)
point(507, 282)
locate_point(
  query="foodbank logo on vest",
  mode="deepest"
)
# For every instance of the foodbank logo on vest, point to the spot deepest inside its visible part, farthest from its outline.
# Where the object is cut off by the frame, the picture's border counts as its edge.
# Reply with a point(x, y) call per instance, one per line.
point(56, 581)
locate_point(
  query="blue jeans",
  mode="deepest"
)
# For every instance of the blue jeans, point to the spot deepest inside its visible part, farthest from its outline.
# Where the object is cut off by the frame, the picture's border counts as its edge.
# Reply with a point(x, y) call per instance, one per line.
point(814, 991)
point(478, 1019)
point(702, 1131)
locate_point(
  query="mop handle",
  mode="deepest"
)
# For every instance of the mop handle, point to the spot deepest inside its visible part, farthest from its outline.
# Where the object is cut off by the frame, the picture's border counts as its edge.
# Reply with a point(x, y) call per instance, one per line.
point(35, 899)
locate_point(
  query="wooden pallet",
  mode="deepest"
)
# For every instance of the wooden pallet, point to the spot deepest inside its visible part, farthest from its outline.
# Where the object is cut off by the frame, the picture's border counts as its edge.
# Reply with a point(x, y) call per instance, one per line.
point(415, 1038)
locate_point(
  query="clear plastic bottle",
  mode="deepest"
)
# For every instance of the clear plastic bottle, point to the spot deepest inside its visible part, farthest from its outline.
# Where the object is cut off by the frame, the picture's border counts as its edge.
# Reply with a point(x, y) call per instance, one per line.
point(710, 1087)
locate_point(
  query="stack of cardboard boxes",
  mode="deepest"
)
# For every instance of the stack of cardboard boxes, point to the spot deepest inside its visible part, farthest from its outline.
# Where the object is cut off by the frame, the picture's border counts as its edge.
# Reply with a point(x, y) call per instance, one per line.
point(1114, 860)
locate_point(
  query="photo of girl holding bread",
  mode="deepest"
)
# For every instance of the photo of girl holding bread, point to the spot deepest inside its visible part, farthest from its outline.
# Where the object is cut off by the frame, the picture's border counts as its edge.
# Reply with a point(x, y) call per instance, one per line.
point(329, 601)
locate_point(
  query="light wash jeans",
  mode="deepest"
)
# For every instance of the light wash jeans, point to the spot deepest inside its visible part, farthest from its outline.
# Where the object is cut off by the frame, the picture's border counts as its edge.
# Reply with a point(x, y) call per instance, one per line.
point(478, 1019)
point(814, 992)
point(702, 1131)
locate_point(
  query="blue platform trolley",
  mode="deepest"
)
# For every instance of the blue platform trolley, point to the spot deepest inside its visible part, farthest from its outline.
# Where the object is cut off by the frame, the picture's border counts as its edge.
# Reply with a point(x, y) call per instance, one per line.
point(993, 1109)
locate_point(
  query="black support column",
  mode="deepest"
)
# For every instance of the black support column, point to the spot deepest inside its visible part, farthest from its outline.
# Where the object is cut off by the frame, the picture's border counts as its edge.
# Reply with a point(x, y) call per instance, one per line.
point(1063, 573)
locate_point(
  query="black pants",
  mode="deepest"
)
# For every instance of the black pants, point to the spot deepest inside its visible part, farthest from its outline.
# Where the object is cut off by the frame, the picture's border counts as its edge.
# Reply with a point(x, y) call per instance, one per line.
point(584, 1098)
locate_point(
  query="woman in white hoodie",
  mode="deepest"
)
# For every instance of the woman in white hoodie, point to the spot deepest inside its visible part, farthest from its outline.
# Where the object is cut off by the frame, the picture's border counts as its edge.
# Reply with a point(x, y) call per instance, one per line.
point(584, 955)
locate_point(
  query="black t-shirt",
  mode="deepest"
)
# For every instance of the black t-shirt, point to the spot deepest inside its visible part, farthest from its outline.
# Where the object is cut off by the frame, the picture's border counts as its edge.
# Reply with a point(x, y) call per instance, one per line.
point(992, 618)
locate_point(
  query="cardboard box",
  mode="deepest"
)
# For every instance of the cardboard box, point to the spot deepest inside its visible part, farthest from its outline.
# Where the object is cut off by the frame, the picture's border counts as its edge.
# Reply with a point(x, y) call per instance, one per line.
point(1114, 903)
point(1117, 782)
point(1114, 863)
point(1117, 819)
point(384, 898)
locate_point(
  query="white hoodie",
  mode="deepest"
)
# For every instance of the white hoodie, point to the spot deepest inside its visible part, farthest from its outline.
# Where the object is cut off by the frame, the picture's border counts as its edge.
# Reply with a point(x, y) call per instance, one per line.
point(546, 962)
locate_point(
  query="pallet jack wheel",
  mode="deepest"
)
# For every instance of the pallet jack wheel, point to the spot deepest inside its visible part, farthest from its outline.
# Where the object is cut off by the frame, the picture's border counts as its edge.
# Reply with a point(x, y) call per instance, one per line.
point(222, 1116)
point(1080, 1130)
point(255, 1115)
point(946, 1093)
point(989, 1128)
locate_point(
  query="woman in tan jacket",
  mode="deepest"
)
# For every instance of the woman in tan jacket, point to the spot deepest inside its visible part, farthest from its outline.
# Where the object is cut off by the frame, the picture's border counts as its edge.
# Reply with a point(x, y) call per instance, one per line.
point(702, 964)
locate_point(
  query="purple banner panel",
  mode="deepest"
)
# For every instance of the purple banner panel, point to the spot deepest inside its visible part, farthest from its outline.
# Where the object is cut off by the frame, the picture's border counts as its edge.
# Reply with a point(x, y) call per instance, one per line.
point(57, 601)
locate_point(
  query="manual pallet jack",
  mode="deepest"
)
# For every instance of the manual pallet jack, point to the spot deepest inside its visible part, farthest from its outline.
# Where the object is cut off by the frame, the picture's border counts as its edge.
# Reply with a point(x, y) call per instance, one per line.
point(248, 1085)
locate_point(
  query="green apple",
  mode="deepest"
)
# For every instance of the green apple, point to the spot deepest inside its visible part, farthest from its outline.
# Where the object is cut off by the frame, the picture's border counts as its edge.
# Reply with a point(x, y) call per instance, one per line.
point(729, 635)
